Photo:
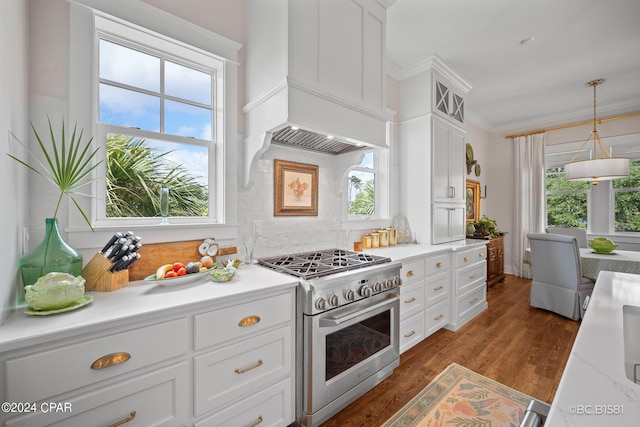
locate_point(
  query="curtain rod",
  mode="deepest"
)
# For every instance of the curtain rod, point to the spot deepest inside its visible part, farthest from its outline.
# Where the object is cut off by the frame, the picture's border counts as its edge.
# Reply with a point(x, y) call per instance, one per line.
point(590, 122)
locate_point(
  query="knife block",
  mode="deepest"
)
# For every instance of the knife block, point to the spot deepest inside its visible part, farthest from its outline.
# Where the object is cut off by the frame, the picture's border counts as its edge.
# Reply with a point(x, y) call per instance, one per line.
point(99, 278)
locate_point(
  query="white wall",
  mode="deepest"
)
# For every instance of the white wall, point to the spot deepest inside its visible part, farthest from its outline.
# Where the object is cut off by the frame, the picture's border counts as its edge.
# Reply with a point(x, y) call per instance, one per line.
point(14, 42)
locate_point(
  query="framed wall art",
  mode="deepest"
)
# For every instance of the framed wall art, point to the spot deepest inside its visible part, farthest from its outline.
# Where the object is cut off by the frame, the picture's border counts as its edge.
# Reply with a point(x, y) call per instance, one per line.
point(473, 201)
point(295, 189)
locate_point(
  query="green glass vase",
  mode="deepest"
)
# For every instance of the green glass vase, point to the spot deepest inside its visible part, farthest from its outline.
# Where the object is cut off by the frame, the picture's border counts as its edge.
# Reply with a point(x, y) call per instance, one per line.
point(52, 255)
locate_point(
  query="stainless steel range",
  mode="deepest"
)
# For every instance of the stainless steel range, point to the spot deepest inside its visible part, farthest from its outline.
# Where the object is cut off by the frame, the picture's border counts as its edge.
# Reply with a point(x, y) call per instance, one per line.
point(347, 326)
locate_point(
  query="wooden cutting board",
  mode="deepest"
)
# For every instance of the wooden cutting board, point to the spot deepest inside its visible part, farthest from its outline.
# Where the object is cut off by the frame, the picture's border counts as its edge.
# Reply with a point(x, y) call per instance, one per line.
point(154, 255)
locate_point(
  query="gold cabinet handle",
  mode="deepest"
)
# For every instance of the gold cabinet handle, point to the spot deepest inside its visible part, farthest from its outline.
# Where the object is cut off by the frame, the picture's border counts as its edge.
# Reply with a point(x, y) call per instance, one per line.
point(110, 359)
point(438, 264)
point(254, 366)
point(473, 276)
point(131, 416)
point(256, 422)
point(410, 300)
point(438, 288)
point(409, 334)
point(481, 255)
point(249, 320)
point(409, 273)
point(466, 259)
point(439, 317)
point(473, 301)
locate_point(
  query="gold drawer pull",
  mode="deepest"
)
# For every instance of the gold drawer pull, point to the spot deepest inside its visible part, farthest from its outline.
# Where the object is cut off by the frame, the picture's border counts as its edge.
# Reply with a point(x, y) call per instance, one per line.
point(256, 422)
point(481, 255)
point(409, 273)
point(439, 317)
point(438, 288)
point(438, 264)
point(466, 259)
point(409, 334)
point(473, 301)
point(110, 359)
point(410, 300)
point(125, 420)
point(473, 276)
point(249, 320)
point(242, 371)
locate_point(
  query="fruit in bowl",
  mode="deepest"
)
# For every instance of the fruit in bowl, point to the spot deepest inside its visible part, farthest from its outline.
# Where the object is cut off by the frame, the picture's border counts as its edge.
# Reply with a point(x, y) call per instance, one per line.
point(602, 245)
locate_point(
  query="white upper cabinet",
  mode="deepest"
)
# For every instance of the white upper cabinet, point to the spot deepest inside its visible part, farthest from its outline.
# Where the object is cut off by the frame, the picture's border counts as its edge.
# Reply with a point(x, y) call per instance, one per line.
point(448, 181)
point(447, 102)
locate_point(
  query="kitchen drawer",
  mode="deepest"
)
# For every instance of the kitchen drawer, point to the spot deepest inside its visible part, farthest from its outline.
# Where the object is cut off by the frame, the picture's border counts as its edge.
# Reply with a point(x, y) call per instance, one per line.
point(158, 398)
point(470, 301)
point(436, 289)
point(411, 331)
point(470, 277)
point(48, 373)
point(234, 372)
point(411, 299)
point(437, 264)
point(411, 271)
point(435, 317)
point(218, 326)
point(270, 407)
point(470, 256)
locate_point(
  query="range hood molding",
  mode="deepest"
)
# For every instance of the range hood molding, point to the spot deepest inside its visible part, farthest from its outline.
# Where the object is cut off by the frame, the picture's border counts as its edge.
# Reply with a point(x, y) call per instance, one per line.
point(303, 73)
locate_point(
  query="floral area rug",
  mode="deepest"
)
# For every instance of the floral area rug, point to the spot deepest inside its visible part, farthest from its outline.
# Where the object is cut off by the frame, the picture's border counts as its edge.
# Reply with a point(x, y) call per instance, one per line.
point(461, 398)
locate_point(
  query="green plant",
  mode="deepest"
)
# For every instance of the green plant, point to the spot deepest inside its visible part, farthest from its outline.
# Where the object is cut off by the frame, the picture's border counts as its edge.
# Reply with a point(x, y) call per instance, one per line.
point(68, 164)
point(487, 226)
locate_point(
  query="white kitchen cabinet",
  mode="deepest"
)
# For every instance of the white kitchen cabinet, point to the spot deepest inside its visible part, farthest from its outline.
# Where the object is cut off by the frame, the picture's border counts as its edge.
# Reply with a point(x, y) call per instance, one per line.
point(212, 354)
point(432, 153)
point(423, 298)
point(468, 297)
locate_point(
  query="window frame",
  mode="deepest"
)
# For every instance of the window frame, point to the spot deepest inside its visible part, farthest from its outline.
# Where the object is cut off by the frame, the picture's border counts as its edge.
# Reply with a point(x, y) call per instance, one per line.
point(372, 170)
point(612, 211)
point(82, 96)
point(586, 191)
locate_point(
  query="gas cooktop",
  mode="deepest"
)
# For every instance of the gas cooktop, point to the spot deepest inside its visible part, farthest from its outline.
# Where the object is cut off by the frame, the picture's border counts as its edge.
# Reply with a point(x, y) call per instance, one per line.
point(309, 265)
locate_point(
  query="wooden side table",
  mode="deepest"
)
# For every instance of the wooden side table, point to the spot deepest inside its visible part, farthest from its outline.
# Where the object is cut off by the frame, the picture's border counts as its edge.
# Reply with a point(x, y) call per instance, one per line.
point(495, 259)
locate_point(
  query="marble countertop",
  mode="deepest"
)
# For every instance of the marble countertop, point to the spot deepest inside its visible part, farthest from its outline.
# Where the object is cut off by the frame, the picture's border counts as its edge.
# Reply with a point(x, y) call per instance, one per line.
point(407, 252)
point(594, 390)
point(138, 300)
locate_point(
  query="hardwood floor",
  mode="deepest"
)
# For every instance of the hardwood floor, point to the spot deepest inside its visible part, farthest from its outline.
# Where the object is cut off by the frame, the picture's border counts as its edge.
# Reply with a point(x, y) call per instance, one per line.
point(510, 342)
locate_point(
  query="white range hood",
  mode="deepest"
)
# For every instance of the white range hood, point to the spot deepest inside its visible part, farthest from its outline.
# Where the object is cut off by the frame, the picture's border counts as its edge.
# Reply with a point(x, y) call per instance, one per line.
point(315, 76)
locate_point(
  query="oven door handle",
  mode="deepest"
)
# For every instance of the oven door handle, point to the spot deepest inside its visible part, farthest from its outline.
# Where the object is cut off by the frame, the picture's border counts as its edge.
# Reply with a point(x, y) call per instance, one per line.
point(335, 321)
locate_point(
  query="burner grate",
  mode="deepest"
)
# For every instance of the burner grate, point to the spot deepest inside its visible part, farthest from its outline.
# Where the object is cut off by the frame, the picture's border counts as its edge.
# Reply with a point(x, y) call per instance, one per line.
point(308, 265)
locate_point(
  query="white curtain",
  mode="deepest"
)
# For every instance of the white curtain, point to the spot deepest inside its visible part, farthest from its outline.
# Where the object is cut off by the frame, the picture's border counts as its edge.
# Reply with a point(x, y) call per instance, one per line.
point(529, 197)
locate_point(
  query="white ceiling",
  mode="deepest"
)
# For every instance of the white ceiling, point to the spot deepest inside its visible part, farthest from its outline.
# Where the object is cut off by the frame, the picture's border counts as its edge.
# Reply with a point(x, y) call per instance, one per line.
point(542, 83)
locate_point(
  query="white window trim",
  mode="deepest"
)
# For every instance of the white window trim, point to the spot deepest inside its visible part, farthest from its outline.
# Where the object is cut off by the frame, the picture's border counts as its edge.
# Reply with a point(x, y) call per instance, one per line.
point(382, 181)
point(83, 95)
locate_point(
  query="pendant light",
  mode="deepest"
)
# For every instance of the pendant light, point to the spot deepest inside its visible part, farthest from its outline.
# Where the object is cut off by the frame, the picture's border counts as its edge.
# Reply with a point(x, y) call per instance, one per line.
point(596, 169)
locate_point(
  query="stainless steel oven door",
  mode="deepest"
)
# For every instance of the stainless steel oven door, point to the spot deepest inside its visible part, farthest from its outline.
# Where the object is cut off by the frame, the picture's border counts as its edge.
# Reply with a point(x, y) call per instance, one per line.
point(346, 346)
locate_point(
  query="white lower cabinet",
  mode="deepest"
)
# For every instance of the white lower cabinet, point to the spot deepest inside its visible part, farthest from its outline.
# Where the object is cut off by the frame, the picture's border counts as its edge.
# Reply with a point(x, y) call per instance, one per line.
point(228, 365)
point(411, 331)
point(469, 296)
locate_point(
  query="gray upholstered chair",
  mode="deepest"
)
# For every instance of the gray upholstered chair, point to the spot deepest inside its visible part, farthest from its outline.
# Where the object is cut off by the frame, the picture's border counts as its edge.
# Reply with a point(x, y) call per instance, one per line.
point(558, 284)
point(578, 233)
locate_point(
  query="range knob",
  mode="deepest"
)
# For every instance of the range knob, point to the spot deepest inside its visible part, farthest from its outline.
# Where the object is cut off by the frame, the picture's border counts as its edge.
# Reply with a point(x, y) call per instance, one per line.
point(377, 287)
point(365, 291)
point(321, 304)
point(350, 295)
point(388, 283)
point(334, 300)
point(397, 281)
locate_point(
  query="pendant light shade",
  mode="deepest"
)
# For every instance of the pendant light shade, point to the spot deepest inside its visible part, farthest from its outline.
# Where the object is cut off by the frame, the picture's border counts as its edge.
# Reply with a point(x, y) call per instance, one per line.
point(596, 169)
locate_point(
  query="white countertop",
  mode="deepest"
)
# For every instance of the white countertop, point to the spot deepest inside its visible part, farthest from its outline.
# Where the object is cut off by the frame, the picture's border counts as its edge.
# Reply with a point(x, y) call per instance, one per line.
point(137, 300)
point(406, 252)
point(594, 376)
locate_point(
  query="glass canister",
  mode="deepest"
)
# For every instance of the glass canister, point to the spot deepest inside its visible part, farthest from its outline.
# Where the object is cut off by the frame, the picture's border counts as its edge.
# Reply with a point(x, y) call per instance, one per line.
point(384, 238)
point(375, 240)
point(366, 242)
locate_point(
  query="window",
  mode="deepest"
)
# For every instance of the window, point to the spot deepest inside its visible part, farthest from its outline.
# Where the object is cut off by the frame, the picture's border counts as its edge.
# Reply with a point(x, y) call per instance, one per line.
point(157, 117)
point(566, 201)
point(362, 187)
point(626, 200)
